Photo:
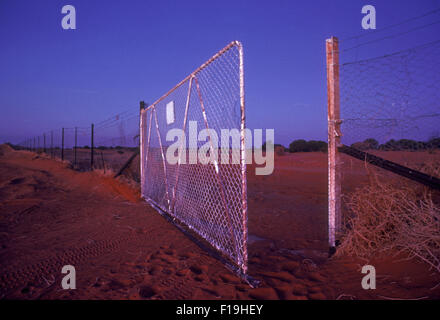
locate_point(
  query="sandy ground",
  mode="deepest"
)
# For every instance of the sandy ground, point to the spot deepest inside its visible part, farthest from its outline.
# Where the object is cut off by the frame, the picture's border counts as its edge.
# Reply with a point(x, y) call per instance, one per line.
point(51, 216)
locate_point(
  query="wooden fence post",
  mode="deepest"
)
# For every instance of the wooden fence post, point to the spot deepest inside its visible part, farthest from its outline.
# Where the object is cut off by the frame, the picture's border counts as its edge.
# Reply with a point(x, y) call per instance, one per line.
point(334, 141)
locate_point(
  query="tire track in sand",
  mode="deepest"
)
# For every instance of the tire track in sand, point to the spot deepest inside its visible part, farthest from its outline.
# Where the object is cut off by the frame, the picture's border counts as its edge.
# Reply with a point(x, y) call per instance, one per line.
point(15, 276)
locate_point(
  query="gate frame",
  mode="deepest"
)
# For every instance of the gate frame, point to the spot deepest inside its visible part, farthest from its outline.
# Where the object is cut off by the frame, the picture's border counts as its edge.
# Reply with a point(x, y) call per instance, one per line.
point(241, 267)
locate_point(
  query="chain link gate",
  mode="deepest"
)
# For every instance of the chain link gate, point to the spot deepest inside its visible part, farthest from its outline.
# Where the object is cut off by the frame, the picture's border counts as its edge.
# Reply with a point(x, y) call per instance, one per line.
point(211, 198)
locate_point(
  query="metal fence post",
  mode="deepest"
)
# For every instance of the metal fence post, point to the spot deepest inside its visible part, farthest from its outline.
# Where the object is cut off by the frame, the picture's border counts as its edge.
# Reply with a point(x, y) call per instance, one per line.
point(91, 148)
point(62, 144)
point(334, 140)
point(141, 108)
point(44, 142)
point(74, 150)
point(51, 144)
point(141, 142)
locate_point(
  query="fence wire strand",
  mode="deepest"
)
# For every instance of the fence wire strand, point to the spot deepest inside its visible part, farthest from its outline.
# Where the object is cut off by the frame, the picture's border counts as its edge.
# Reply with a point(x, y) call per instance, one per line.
point(392, 103)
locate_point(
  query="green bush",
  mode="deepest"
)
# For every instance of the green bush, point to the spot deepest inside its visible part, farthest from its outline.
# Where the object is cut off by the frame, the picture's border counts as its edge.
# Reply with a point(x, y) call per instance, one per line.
point(275, 146)
point(403, 144)
point(302, 145)
point(367, 144)
point(434, 143)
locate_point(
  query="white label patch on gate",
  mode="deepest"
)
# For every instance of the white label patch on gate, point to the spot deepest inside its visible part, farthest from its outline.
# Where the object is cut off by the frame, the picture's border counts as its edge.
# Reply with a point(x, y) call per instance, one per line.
point(170, 112)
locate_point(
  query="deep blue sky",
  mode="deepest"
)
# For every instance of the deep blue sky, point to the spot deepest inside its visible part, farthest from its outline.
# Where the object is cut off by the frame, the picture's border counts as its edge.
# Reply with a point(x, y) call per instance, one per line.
point(126, 51)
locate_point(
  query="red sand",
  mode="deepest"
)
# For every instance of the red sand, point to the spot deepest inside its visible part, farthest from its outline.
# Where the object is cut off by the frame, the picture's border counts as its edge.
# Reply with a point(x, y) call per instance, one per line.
point(51, 216)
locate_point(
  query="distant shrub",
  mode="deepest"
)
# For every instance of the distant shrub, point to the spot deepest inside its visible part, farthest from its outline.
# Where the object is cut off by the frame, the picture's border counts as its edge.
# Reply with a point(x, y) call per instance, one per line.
point(302, 145)
point(298, 146)
point(367, 144)
point(280, 150)
point(398, 145)
point(276, 146)
point(434, 143)
point(402, 145)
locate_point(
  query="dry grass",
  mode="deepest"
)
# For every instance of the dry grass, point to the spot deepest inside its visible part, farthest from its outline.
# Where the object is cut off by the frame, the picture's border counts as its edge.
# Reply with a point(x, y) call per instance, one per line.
point(432, 168)
point(390, 216)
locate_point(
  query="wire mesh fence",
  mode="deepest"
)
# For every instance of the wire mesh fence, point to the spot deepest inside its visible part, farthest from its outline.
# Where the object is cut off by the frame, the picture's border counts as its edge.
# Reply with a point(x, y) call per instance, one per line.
point(209, 198)
point(383, 121)
point(105, 146)
point(391, 103)
point(120, 130)
point(117, 140)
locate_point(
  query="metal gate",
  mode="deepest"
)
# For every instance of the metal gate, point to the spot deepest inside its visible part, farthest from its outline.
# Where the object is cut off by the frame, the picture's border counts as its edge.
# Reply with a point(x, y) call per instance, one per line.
point(209, 198)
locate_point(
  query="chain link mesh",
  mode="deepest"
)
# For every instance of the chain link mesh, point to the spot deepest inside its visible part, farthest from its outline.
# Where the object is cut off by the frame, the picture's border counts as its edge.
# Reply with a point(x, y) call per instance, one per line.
point(392, 103)
point(390, 136)
point(209, 198)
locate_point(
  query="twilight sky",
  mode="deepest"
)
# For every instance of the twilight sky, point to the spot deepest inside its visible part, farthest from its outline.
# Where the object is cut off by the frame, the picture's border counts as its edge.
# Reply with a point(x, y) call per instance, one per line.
point(126, 51)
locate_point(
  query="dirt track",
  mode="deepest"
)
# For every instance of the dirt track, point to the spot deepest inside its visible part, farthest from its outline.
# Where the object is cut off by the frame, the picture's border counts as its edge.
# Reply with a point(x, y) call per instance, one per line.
point(121, 248)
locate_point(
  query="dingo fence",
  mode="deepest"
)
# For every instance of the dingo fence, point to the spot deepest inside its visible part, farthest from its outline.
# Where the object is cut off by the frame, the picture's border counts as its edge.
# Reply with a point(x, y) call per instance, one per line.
point(105, 145)
point(385, 112)
point(209, 198)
